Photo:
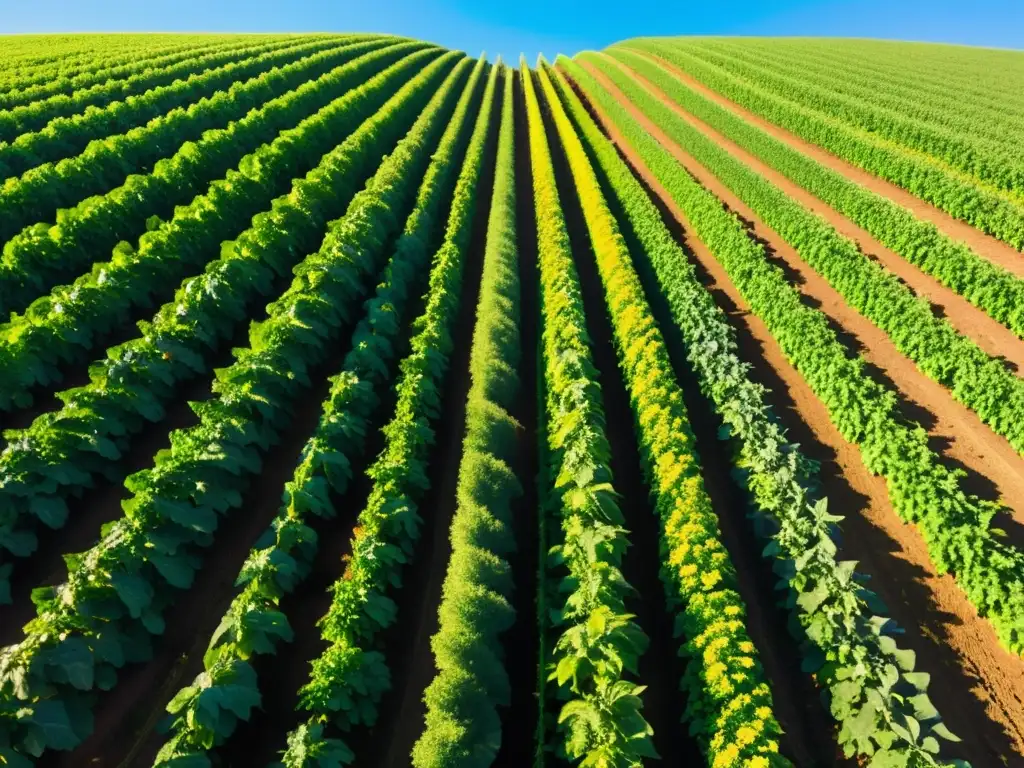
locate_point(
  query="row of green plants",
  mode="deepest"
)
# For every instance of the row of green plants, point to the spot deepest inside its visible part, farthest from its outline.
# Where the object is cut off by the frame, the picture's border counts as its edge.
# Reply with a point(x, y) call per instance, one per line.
point(729, 703)
point(66, 74)
point(992, 289)
point(33, 116)
point(846, 640)
point(106, 613)
point(64, 325)
point(348, 679)
point(462, 726)
point(23, 68)
point(988, 209)
point(961, 148)
point(982, 383)
point(972, 79)
point(40, 255)
point(595, 644)
point(942, 107)
point(955, 525)
point(68, 136)
point(64, 452)
point(205, 713)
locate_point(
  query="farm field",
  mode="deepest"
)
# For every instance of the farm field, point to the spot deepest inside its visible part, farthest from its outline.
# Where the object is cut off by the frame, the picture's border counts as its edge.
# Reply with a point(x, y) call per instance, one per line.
point(367, 403)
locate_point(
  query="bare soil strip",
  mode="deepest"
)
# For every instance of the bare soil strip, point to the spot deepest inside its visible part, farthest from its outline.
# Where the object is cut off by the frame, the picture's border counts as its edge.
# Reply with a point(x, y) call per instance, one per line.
point(993, 337)
point(990, 247)
point(994, 469)
point(977, 685)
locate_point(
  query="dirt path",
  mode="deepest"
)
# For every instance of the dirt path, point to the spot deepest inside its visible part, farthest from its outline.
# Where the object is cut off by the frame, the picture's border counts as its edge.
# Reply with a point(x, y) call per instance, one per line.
point(978, 686)
point(991, 248)
point(994, 469)
point(994, 338)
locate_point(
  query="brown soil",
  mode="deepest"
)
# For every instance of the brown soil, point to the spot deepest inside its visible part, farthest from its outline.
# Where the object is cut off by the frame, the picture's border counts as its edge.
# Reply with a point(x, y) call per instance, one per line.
point(994, 338)
point(977, 685)
point(991, 248)
point(994, 469)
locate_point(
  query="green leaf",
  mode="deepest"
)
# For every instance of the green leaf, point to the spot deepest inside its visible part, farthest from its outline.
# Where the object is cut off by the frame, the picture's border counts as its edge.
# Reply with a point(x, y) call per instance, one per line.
point(53, 722)
point(52, 511)
point(135, 592)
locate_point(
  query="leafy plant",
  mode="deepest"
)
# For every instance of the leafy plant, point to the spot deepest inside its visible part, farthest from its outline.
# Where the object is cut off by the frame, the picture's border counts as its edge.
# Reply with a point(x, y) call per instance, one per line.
point(729, 704)
point(104, 615)
point(282, 558)
point(347, 680)
point(598, 643)
point(463, 728)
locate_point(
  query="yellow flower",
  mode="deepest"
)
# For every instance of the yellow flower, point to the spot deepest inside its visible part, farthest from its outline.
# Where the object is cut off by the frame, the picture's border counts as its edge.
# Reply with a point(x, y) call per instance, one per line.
point(745, 735)
point(710, 578)
point(727, 757)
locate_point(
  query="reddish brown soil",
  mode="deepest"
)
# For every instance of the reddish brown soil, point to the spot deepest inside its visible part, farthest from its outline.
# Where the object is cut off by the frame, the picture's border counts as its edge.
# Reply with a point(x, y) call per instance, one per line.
point(995, 469)
point(993, 337)
point(991, 248)
point(977, 685)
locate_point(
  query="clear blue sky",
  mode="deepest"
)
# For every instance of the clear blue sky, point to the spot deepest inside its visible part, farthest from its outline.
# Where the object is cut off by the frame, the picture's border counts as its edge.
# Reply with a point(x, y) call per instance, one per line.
point(509, 27)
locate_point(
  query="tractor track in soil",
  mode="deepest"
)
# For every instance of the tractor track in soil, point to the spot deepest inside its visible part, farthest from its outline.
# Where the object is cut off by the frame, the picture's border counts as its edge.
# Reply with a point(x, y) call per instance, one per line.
point(976, 684)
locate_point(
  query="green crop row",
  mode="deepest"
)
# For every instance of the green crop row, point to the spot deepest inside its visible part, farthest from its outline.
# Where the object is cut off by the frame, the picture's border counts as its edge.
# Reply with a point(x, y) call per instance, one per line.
point(137, 78)
point(165, 104)
point(41, 255)
point(63, 452)
point(104, 615)
point(206, 712)
point(982, 383)
point(954, 524)
point(992, 289)
point(987, 209)
point(729, 703)
point(54, 78)
point(463, 728)
point(598, 643)
point(347, 680)
point(845, 636)
point(962, 148)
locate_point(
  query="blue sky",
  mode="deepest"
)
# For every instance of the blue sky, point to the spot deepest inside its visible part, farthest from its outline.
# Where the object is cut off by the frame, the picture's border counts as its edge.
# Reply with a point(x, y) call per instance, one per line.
point(509, 27)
